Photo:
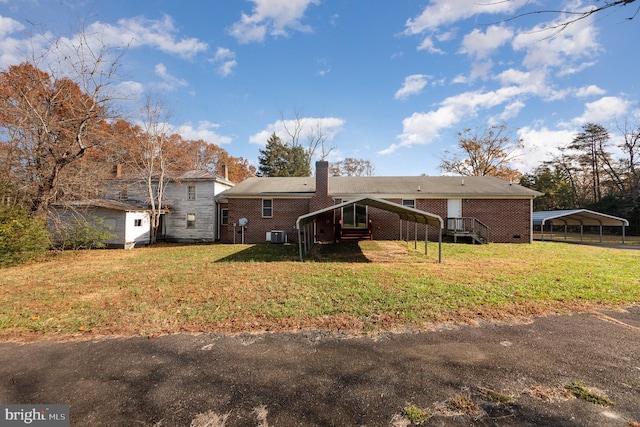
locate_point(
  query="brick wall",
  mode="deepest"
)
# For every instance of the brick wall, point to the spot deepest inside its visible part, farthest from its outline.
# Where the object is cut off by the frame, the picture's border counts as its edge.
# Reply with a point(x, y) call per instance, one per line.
point(508, 220)
point(388, 226)
point(285, 214)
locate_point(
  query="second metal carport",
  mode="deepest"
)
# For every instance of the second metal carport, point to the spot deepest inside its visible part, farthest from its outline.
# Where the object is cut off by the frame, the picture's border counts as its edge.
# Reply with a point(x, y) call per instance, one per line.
point(581, 217)
point(306, 241)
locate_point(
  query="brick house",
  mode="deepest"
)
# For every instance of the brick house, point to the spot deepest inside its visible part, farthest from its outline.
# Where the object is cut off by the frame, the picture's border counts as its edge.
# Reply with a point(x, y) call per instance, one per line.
point(484, 209)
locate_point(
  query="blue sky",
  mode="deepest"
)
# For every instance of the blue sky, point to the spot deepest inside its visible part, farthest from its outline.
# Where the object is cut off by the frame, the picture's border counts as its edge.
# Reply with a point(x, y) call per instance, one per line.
point(390, 81)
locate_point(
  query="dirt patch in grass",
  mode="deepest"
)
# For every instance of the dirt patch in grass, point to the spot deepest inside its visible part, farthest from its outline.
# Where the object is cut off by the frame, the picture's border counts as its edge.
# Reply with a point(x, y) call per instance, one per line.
point(367, 251)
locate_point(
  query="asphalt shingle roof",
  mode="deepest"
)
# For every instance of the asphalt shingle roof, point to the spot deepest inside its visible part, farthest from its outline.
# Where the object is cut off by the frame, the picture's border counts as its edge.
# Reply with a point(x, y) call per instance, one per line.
point(102, 203)
point(385, 186)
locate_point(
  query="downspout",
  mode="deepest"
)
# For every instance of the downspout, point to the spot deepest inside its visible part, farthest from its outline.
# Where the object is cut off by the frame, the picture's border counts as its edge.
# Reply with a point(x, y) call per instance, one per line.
point(216, 226)
point(531, 221)
point(299, 239)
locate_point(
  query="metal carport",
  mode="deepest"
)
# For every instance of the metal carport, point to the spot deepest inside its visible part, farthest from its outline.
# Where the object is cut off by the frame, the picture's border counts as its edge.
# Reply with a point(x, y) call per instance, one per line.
point(579, 217)
point(303, 223)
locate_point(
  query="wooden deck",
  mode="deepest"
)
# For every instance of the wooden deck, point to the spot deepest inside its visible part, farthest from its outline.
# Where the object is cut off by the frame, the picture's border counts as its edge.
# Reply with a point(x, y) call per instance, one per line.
point(467, 228)
point(346, 233)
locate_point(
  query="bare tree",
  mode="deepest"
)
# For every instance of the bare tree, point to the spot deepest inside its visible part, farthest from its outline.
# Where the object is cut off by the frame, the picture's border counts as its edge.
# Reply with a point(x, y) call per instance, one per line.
point(351, 167)
point(154, 156)
point(50, 119)
point(575, 15)
point(317, 141)
point(313, 131)
point(631, 162)
point(483, 152)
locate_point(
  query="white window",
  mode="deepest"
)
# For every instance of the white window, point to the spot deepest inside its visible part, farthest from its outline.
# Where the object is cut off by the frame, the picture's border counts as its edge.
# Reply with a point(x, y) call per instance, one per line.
point(354, 216)
point(137, 222)
point(410, 203)
point(191, 192)
point(224, 213)
point(267, 208)
point(191, 220)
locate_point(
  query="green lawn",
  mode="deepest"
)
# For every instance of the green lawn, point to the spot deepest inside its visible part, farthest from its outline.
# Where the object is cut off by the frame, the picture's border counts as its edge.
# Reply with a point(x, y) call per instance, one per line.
point(360, 288)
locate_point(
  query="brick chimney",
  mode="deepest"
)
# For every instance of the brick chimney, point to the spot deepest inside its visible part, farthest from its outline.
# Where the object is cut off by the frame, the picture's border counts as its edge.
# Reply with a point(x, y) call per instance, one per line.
point(321, 199)
point(322, 178)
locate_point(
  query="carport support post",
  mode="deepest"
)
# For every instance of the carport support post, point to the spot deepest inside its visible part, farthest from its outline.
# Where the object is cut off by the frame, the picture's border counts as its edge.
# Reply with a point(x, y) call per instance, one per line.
point(415, 236)
point(440, 245)
point(300, 243)
point(426, 239)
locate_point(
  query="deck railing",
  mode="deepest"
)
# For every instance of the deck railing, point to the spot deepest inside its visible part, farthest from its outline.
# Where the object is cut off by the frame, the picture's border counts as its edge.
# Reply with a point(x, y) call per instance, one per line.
point(468, 225)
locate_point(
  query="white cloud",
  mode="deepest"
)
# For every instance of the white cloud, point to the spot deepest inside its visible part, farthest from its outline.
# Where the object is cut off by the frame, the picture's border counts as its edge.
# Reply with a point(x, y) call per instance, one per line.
point(603, 110)
point(273, 17)
point(9, 26)
point(412, 85)
point(222, 53)
point(205, 131)
point(424, 128)
point(443, 12)
point(169, 82)
point(480, 44)
point(427, 44)
point(158, 34)
point(512, 110)
point(540, 145)
point(481, 70)
point(591, 90)
point(567, 50)
point(330, 125)
point(129, 90)
point(534, 82)
point(227, 68)
point(13, 50)
point(225, 61)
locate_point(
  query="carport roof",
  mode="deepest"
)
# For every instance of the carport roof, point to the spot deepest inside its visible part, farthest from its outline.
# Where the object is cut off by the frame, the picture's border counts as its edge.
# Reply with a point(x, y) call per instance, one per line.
point(578, 217)
point(406, 213)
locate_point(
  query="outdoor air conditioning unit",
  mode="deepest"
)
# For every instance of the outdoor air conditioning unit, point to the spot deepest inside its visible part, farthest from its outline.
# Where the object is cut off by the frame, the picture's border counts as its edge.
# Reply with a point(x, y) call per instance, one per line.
point(278, 236)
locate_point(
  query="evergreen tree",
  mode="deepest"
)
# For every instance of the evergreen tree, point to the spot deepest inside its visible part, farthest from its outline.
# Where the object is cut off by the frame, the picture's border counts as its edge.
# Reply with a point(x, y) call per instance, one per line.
point(281, 160)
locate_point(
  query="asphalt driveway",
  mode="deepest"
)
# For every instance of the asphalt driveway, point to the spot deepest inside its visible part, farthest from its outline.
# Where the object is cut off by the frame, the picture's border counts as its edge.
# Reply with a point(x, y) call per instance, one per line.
point(493, 374)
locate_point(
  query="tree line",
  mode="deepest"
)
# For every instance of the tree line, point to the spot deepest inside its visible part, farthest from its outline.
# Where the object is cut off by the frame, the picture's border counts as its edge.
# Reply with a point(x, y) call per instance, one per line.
point(591, 172)
point(62, 131)
point(57, 142)
point(282, 159)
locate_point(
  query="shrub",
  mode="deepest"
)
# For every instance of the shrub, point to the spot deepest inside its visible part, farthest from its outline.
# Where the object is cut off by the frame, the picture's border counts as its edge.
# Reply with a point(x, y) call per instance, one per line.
point(22, 237)
point(78, 232)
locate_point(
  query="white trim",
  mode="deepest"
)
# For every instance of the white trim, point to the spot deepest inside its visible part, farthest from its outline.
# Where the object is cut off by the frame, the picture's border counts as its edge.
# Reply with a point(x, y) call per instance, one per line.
point(262, 207)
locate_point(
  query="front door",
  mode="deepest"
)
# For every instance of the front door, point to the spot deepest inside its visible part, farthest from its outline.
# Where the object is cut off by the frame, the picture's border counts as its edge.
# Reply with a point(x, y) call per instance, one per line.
point(454, 211)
